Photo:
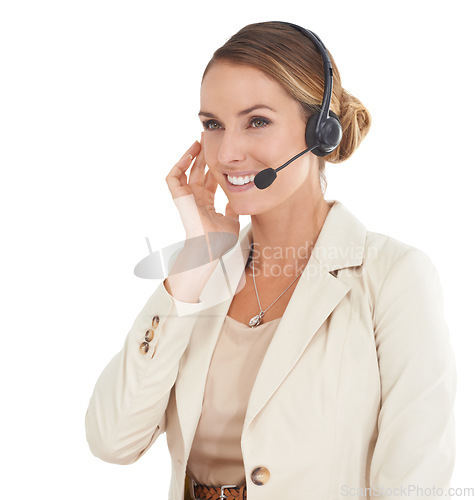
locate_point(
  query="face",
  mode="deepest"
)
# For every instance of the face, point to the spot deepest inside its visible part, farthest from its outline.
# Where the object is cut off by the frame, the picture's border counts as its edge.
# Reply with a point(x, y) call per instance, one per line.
point(250, 124)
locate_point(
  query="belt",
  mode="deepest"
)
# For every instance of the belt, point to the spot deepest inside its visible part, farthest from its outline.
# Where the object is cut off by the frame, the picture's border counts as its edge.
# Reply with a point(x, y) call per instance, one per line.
point(228, 492)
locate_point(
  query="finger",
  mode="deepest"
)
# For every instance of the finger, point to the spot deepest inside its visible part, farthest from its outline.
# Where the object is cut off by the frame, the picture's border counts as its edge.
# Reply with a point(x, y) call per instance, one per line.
point(185, 161)
point(194, 149)
point(197, 172)
point(175, 177)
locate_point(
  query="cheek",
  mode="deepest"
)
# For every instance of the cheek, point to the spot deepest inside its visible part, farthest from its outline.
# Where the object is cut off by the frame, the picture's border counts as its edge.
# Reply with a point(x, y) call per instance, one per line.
point(289, 144)
point(211, 149)
point(282, 146)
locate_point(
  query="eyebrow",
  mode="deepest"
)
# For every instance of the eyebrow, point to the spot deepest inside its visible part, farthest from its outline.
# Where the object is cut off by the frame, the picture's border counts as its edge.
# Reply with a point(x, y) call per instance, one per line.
point(241, 113)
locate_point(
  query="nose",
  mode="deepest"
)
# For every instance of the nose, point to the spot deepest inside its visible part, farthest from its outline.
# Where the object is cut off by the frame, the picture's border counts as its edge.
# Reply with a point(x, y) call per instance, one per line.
point(231, 148)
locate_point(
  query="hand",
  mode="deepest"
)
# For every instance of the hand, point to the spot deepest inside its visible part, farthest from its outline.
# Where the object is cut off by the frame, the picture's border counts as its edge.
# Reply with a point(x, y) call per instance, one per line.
point(194, 198)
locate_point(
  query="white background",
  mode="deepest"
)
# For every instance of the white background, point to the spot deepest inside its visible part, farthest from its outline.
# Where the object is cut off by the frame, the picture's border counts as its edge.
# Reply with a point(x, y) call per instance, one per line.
point(98, 99)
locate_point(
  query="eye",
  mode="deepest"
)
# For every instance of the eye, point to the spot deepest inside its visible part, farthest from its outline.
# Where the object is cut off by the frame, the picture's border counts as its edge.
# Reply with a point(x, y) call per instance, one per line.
point(211, 125)
point(259, 122)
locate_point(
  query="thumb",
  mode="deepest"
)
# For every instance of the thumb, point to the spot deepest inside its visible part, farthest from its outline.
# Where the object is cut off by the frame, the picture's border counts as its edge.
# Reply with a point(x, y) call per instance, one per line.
point(230, 212)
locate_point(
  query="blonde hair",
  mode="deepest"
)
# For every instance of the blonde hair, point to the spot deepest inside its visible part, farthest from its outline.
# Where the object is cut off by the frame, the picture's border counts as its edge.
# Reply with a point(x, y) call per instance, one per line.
point(291, 58)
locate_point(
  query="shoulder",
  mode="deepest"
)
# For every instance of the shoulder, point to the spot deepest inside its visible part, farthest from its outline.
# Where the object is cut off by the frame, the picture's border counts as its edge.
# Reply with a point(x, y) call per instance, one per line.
point(383, 252)
point(396, 265)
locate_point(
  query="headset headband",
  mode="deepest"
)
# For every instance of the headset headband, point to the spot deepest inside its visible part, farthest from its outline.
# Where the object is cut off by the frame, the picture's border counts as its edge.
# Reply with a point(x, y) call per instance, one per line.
point(327, 69)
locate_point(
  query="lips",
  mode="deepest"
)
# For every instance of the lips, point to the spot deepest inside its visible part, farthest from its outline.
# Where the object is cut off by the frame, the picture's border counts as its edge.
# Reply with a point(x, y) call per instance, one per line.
point(241, 173)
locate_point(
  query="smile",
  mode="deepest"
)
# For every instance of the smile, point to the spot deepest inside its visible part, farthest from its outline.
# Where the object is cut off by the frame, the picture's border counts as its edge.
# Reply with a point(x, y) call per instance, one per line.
point(241, 183)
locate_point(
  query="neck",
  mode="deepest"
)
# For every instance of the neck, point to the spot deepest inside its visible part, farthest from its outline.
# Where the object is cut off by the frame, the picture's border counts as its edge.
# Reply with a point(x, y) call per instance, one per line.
point(283, 238)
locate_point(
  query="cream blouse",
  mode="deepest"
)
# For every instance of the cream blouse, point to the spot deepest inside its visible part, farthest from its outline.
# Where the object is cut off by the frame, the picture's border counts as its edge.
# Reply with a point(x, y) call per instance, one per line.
point(215, 458)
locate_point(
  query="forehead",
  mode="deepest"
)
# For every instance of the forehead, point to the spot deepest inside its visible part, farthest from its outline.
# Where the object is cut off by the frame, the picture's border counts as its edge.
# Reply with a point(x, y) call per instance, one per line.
point(239, 86)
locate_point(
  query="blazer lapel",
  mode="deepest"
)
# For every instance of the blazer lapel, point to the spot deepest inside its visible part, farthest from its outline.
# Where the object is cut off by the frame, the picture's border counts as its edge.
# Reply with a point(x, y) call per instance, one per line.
point(340, 244)
point(315, 296)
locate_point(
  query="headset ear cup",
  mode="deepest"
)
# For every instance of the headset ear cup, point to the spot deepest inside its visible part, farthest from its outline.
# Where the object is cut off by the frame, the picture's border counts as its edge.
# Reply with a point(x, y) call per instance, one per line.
point(327, 138)
point(331, 132)
point(311, 131)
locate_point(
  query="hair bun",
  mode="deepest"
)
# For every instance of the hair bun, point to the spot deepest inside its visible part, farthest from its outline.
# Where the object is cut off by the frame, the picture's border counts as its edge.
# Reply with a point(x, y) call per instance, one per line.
point(355, 123)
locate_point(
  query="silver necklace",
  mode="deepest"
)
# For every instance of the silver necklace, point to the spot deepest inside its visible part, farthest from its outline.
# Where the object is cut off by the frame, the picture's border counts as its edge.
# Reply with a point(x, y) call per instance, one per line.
point(255, 321)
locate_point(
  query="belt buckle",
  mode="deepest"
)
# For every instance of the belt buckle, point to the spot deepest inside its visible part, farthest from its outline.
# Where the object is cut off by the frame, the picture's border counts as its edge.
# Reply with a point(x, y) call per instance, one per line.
point(193, 483)
point(223, 496)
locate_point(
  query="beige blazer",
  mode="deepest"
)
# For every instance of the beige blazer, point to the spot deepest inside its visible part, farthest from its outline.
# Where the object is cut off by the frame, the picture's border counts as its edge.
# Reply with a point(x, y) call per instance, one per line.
point(355, 391)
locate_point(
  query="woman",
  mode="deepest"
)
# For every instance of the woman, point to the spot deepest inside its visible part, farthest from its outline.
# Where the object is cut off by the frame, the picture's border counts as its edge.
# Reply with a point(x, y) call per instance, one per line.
point(302, 356)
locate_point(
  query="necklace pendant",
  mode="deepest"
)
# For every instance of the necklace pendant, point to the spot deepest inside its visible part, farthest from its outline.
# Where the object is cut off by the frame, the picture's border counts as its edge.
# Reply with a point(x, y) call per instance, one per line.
point(256, 320)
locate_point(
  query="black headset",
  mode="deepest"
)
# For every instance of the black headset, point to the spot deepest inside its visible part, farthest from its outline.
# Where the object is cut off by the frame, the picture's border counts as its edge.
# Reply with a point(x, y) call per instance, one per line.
point(323, 132)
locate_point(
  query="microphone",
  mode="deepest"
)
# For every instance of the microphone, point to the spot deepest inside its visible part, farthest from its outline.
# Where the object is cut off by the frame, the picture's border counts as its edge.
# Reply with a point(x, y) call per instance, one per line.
point(266, 177)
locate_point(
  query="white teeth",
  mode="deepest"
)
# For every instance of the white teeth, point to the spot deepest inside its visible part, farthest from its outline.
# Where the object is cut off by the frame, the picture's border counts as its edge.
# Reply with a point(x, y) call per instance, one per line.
point(240, 181)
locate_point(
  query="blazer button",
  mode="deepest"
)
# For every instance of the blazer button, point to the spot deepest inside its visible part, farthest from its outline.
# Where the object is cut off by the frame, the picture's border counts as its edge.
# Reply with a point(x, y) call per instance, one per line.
point(149, 335)
point(144, 347)
point(155, 321)
point(260, 476)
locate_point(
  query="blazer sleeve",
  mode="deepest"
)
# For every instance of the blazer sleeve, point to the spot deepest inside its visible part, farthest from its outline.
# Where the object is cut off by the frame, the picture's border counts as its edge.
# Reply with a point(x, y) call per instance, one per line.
point(416, 435)
point(126, 412)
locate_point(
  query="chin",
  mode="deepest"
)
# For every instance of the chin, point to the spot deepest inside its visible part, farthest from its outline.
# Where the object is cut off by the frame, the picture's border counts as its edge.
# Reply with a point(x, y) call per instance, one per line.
point(250, 207)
